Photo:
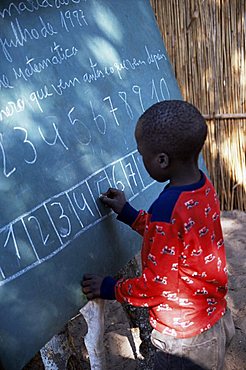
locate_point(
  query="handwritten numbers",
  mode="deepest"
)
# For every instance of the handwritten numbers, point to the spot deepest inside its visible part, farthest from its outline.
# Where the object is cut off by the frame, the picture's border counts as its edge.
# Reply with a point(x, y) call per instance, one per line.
point(44, 238)
point(118, 177)
point(57, 136)
point(98, 184)
point(10, 258)
point(101, 127)
point(64, 217)
point(85, 139)
point(122, 95)
point(164, 89)
point(137, 90)
point(80, 17)
point(102, 183)
point(65, 18)
point(11, 236)
point(112, 109)
point(16, 249)
point(30, 144)
point(131, 173)
point(70, 19)
point(66, 229)
point(4, 161)
point(84, 204)
point(154, 94)
point(117, 183)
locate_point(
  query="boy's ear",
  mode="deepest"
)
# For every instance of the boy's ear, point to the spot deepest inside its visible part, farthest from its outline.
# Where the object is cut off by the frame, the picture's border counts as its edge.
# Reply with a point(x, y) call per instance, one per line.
point(163, 160)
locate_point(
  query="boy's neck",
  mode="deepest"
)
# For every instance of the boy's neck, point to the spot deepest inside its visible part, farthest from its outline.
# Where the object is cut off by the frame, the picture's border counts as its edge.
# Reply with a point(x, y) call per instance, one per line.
point(185, 174)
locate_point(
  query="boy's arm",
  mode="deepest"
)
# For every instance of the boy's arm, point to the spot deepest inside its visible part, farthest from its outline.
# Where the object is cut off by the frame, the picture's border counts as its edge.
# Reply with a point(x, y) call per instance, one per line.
point(137, 220)
point(116, 200)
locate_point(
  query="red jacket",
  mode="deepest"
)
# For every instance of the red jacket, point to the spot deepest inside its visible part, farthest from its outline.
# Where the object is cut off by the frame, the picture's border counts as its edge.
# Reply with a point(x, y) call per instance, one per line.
point(184, 275)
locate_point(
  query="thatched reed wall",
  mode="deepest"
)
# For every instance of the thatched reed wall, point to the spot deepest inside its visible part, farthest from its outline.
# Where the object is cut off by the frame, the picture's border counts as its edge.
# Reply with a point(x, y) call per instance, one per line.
point(205, 40)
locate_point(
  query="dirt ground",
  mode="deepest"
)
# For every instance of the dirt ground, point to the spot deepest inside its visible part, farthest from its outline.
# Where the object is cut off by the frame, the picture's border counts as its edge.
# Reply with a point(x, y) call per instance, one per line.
point(123, 327)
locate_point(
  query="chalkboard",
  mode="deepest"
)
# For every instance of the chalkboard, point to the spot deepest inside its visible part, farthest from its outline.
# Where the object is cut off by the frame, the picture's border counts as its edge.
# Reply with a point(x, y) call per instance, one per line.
point(75, 75)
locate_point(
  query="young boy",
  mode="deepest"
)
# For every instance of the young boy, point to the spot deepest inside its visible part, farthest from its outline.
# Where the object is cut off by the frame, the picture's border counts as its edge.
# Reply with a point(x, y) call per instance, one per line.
point(184, 275)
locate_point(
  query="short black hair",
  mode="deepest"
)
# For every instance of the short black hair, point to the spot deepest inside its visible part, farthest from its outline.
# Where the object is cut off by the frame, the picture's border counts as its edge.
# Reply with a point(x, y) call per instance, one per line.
point(175, 127)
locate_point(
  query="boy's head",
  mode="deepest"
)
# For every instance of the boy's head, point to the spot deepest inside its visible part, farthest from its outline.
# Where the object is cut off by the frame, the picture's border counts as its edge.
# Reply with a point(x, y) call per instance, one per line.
point(167, 133)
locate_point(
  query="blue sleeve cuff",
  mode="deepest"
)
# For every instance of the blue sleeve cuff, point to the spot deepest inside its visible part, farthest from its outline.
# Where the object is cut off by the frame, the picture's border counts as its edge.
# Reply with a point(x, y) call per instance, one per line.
point(128, 214)
point(107, 288)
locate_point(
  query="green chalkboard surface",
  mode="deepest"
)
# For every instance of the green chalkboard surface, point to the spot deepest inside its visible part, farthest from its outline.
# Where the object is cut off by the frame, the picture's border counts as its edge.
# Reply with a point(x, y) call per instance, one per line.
point(74, 77)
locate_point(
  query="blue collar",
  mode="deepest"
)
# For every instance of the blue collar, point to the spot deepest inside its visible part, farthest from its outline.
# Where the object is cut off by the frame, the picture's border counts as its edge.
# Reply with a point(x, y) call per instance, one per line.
point(194, 186)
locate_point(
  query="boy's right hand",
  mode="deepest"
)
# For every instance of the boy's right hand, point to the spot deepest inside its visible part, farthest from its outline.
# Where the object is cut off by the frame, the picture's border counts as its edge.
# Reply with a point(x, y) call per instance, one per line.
point(114, 199)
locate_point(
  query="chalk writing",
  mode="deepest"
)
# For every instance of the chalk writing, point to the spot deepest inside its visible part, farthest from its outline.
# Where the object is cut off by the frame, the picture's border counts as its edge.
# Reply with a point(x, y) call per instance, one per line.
point(65, 84)
point(29, 144)
point(124, 65)
point(38, 95)
point(4, 82)
point(123, 96)
point(32, 6)
point(44, 238)
point(32, 66)
point(51, 133)
point(57, 137)
point(22, 35)
point(99, 120)
point(59, 86)
point(72, 18)
point(70, 213)
point(137, 90)
point(112, 109)
point(85, 137)
point(11, 108)
point(37, 79)
point(154, 57)
point(75, 76)
point(6, 172)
